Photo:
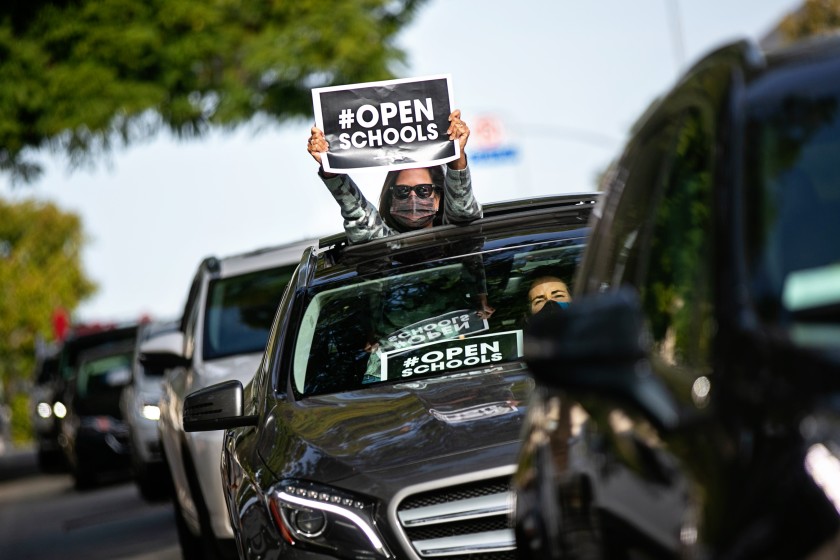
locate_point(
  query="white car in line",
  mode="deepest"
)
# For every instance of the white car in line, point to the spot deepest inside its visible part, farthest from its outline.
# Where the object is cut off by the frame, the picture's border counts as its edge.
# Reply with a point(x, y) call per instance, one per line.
point(222, 335)
point(140, 408)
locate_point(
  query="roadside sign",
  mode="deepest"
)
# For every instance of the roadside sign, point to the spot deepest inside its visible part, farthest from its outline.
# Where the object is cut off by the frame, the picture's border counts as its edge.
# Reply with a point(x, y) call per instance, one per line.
point(489, 141)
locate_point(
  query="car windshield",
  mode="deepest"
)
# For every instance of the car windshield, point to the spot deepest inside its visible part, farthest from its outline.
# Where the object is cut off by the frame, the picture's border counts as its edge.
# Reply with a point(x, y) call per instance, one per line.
point(425, 320)
point(793, 169)
point(104, 375)
point(240, 310)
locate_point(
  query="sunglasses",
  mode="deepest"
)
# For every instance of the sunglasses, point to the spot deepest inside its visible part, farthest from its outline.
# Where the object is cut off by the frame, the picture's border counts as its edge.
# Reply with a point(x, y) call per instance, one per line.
point(402, 192)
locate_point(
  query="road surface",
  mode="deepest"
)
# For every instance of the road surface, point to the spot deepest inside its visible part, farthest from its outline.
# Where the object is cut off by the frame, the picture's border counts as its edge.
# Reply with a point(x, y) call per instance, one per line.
point(42, 517)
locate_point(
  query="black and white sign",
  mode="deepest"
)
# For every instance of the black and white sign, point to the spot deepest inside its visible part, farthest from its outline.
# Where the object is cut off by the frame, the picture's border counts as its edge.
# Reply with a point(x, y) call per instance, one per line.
point(452, 355)
point(464, 322)
point(394, 124)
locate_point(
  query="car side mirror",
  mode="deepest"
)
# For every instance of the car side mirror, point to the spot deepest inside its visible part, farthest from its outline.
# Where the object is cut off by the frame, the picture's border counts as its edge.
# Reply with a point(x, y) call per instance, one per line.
point(165, 351)
point(217, 407)
point(599, 345)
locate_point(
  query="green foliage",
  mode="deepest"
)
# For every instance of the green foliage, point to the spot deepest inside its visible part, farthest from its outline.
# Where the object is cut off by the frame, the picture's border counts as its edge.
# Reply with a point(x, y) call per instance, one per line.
point(21, 429)
point(814, 17)
point(40, 271)
point(78, 75)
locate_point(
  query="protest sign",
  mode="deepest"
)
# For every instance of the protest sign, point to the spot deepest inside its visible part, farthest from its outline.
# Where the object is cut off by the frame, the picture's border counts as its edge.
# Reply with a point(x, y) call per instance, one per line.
point(452, 355)
point(463, 322)
point(388, 125)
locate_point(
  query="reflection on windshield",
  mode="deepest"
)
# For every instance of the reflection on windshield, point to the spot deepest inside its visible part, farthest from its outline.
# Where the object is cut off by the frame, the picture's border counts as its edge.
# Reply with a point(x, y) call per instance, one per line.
point(792, 157)
point(240, 310)
point(104, 375)
point(429, 321)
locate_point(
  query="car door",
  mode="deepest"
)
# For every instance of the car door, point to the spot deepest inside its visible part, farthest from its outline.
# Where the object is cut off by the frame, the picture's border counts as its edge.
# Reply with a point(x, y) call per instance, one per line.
point(656, 236)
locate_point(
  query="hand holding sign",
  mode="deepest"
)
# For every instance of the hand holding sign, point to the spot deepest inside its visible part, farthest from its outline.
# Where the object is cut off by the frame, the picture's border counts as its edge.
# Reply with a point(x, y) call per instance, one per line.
point(459, 131)
point(317, 145)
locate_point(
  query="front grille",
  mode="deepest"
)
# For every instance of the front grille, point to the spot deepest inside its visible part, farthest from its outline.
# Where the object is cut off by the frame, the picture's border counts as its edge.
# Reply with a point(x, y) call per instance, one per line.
point(462, 522)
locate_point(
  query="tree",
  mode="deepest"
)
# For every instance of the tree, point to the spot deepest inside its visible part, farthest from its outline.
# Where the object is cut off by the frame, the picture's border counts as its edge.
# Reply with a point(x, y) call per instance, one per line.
point(40, 272)
point(78, 76)
point(814, 17)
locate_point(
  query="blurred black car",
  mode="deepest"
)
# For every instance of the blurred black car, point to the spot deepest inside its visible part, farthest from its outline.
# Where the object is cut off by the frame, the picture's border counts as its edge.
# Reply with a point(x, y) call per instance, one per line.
point(688, 401)
point(384, 419)
point(97, 436)
point(72, 402)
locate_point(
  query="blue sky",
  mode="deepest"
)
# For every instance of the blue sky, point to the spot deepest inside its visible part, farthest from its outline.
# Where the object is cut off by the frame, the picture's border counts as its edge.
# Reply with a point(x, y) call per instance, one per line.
point(565, 79)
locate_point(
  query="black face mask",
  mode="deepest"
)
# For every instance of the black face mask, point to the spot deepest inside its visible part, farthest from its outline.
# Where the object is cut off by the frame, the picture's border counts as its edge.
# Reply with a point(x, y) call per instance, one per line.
point(550, 307)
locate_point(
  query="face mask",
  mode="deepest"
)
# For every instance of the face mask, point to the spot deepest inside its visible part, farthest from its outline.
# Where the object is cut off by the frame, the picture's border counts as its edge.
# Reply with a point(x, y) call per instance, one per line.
point(413, 212)
point(550, 307)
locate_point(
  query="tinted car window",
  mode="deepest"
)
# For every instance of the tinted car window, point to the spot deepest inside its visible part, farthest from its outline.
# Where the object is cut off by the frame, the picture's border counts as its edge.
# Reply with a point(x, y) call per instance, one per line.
point(791, 153)
point(103, 376)
point(240, 310)
point(676, 291)
point(422, 321)
point(618, 240)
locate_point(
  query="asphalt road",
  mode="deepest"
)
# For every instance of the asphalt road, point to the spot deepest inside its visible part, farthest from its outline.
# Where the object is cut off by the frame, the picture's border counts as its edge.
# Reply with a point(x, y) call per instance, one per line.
point(42, 517)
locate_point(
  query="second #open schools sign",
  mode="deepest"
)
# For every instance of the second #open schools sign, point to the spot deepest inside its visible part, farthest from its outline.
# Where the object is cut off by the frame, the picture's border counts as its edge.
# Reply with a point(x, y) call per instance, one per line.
point(394, 124)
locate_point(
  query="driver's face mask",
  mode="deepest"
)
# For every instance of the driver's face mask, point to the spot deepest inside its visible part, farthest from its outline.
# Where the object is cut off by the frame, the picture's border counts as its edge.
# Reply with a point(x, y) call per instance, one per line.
point(414, 212)
point(550, 307)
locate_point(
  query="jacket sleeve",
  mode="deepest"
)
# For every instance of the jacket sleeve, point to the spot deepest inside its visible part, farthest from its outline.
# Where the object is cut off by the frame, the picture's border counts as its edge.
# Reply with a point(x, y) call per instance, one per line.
point(459, 203)
point(362, 221)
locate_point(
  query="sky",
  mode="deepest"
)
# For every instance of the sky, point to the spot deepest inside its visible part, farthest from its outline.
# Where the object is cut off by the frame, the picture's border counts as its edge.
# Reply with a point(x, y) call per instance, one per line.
point(561, 81)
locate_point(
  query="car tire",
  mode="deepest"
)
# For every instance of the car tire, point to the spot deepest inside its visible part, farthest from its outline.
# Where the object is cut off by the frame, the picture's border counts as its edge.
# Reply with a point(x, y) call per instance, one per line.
point(84, 478)
point(191, 546)
point(154, 484)
point(51, 461)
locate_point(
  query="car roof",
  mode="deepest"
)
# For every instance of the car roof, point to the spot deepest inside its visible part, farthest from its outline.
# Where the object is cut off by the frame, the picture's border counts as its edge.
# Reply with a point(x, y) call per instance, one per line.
point(504, 223)
point(804, 50)
point(74, 344)
point(77, 344)
point(97, 352)
point(259, 259)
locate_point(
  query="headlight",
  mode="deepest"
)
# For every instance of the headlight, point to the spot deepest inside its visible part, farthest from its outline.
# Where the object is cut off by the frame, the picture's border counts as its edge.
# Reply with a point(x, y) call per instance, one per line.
point(323, 519)
point(44, 410)
point(151, 412)
point(59, 409)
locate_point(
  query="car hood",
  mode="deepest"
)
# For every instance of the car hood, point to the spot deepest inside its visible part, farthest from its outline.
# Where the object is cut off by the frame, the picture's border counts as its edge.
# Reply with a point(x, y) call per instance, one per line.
point(389, 427)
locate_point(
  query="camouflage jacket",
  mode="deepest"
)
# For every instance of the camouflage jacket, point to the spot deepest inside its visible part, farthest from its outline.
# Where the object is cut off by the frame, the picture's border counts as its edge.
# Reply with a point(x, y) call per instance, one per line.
point(362, 221)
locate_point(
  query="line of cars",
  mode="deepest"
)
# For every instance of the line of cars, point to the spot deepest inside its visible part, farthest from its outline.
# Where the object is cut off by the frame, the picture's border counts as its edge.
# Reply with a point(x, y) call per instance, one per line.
point(98, 411)
point(685, 402)
point(682, 406)
point(76, 410)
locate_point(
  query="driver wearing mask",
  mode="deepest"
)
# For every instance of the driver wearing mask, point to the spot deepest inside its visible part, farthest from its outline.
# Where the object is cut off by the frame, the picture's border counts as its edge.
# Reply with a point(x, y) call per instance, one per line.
point(548, 294)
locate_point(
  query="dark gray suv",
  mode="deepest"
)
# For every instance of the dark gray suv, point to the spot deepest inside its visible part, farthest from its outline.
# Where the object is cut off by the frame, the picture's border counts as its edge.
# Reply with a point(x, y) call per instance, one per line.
point(384, 419)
